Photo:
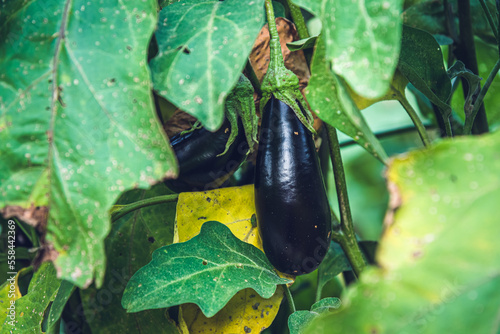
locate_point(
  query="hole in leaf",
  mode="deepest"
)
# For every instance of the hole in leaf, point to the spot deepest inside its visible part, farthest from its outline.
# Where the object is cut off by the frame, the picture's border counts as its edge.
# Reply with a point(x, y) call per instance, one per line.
point(205, 262)
point(184, 49)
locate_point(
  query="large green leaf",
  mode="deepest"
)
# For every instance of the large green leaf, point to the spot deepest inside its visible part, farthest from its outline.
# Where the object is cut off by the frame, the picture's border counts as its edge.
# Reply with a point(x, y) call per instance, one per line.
point(206, 270)
point(362, 40)
point(129, 246)
point(204, 45)
point(31, 308)
point(438, 268)
point(329, 99)
point(77, 122)
point(421, 62)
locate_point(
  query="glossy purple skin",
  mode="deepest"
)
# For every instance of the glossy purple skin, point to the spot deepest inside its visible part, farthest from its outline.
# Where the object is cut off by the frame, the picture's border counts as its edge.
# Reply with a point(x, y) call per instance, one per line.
point(292, 207)
point(200, 168)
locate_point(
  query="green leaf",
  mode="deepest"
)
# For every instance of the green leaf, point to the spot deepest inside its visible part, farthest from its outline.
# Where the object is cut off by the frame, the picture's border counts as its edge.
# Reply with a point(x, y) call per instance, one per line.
point(302, 44)
point(333, 264)
point(336, 262)
point(129, 246)
point(206, 270)
point(458, 70)
point(487, 55)
point(329, 99)
point(31, 308)
point(299, 320)
point(362, 40)
point(77, 121)
point(56, 308)
point(279, 9)
point(326, 304)
point(421, 62)
point(204, 45)
point(429, 16)
point(240, 102)
point(438, 257)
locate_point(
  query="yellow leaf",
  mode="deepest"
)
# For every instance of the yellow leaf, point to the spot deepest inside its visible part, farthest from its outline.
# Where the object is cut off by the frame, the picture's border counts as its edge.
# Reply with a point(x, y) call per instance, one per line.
point(9, 293)
point(233, 207)
point(246, 312)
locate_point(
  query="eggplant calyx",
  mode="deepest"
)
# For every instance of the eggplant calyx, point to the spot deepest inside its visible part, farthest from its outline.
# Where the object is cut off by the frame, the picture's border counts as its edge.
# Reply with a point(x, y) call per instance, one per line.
point(280, 81)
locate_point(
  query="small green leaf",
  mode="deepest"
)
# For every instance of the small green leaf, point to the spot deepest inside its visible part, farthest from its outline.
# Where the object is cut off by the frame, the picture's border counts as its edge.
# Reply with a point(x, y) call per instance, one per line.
point(326, 304)
point(56, 309)
point(487, 56)
point(333, 264)
point(302, 44)
point(329, 99)
point(206, 270)
point(299, 320)
point(32, 307)
point(203, 46)
point(458, 70)
point(279, 9)
point(362, 40)
point(421, 62)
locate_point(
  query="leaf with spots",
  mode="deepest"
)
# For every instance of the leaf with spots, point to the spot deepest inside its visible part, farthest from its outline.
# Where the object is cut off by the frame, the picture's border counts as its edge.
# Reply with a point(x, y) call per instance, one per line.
point(438, 257)
point(232, 206)
point(203, 47)
point(77, 121)
point(299, 320)
point(330, 100)
point(362, 40)
point(32, 307)
point(9, 293)
point(129, 246)
point(207, 270)
point(235, 208)
point(246, 312)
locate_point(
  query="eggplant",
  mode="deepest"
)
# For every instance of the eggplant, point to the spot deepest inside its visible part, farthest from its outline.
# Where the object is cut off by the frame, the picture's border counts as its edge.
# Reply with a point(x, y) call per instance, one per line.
point(200, 166)
point(293, 213)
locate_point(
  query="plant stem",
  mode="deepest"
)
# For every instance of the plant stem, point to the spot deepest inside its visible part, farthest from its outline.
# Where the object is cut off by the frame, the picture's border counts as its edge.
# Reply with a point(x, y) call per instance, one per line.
point(466, 52)
point(469, 121)
point(142, 204)
point(274, 40)
point(289, 299)
point(298, 19)
point(492, 24)
point(346, 236)
point(300, 24)
point(253, 78)
point(317, 297)
point(416, 120)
